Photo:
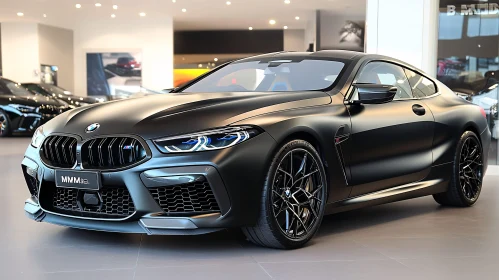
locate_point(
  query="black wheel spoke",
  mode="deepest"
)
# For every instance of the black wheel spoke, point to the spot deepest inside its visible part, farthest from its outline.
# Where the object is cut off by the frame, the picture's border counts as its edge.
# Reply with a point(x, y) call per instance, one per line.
point(297, 193)
point(470, 168)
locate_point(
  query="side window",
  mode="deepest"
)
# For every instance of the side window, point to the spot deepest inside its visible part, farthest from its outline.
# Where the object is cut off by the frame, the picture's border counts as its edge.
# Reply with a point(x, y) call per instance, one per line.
point(3, 89)
point(421, 86)
point(33, 88)
point(385, 73)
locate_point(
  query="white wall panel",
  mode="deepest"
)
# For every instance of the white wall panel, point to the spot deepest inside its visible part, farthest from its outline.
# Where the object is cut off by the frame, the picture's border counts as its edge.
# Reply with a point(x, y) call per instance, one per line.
point(56, 48)
point(294, 40)
point(20, 51)
point(406, 30)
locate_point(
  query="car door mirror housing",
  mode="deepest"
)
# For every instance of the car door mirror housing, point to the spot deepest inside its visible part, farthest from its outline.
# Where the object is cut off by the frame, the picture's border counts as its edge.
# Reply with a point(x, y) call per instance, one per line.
point(374, 93)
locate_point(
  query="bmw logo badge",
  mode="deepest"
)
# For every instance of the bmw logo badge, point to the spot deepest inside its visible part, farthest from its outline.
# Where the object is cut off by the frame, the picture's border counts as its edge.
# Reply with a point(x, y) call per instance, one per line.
point(91, 128)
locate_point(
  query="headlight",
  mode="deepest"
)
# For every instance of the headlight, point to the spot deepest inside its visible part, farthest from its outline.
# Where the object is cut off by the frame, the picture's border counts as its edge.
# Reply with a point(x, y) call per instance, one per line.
point(38, 137)
point(207, 140)
point(23, 108)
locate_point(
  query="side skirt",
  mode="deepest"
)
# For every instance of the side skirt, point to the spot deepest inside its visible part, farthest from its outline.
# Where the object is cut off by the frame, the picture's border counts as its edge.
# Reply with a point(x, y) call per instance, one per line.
point(436, 182)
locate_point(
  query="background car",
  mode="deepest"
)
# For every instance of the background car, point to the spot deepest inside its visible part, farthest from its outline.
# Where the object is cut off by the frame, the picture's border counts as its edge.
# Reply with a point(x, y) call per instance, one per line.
point(482, 90)
point(63, 95)
point(128, 63)
point(269, 144)
point(21, 111)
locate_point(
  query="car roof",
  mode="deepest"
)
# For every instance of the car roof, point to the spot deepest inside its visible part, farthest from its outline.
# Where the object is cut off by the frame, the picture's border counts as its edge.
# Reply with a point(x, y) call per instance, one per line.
point(333, 54)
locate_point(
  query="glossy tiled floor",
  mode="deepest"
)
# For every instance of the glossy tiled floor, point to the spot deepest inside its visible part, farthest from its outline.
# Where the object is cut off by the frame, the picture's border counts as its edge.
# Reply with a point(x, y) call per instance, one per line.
point(414, 239)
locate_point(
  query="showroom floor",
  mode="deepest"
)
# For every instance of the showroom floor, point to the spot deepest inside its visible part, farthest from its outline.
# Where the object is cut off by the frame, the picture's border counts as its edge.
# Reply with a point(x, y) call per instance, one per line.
point(413, 239)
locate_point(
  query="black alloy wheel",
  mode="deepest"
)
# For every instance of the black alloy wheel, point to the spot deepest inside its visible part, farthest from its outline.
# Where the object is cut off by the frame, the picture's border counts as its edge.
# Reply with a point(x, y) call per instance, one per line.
point(470, 168)
point(293, 198)
point(466, 183)
point(296, 193)
point(4, 125)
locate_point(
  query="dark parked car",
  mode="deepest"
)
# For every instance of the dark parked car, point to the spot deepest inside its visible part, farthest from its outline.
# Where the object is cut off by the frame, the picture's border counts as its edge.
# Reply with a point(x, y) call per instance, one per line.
point(128, 63)
point(22, 111)
point(62, 94)
point(269, 144)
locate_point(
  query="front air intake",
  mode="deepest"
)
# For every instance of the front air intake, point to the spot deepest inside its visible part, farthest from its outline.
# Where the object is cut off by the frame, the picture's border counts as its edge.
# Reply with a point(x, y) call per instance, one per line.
point(112, 153)
point(190, 198)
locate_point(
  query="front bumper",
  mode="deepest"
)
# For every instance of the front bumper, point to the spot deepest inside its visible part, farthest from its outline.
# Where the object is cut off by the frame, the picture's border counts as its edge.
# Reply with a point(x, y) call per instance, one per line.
point(235, 175)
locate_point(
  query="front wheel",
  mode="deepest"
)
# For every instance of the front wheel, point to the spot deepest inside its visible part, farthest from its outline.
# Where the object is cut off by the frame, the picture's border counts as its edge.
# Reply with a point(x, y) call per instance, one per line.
point(5, 129)
point(293, 198)
point(466, 182)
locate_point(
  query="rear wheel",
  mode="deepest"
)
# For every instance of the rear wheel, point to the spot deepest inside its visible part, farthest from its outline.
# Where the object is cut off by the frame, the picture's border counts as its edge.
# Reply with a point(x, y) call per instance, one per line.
point(466, 183)
point(5, 129)
point(293, 198)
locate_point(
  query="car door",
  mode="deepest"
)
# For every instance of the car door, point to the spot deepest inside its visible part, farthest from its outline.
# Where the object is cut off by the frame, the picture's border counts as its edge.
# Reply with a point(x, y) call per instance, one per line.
point(391, 142)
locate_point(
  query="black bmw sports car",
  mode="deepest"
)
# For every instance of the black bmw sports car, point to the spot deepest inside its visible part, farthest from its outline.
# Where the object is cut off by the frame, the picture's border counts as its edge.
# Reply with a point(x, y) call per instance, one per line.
point(22, 111)
point(269, 144)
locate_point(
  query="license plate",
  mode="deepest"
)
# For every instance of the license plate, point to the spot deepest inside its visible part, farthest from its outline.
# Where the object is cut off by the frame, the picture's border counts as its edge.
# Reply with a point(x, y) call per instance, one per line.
point(77, 179)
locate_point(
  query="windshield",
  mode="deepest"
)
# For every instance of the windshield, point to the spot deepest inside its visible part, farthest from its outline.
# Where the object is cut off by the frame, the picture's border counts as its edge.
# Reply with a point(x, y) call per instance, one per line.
point(56, 90)
point(271, 76)
point(17, 89)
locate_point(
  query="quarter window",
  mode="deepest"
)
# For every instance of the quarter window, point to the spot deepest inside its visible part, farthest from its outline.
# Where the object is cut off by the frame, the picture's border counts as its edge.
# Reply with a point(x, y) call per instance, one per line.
point(421, 86)
point(386, 74)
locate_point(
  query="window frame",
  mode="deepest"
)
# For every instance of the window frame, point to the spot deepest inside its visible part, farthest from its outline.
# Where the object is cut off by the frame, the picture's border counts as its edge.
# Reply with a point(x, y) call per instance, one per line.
point(437, 91)
point(350, 92)
point(4, 90)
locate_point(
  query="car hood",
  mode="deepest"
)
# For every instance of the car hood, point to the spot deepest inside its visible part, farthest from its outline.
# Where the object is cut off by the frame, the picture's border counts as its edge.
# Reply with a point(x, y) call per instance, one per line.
point(173, 114)
point(76, 100)
point(34, 101)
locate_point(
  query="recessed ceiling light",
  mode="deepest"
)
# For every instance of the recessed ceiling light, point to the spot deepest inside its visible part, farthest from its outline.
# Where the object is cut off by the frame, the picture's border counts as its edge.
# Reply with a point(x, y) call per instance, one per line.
point(215, 59)
point(98, 4)
point(113, 15)
point(272, 21)
point(250, 28)
point(115, 7)
point(297, 18)
point(174, 1)
point(285, 27)
point(44, 15)
point(228, 3)
point(142, 14)
point(184, 10)
point(78, 6)
point(20, 14)
point(287, 2)
point(200, 65)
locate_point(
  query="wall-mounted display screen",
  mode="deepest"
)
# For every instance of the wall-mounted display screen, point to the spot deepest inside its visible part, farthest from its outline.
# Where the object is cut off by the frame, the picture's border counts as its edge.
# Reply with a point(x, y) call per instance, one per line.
point(114, 74)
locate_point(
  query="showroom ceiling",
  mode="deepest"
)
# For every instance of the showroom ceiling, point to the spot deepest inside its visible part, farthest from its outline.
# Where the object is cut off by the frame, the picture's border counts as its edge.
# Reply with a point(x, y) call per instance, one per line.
point(187, 14)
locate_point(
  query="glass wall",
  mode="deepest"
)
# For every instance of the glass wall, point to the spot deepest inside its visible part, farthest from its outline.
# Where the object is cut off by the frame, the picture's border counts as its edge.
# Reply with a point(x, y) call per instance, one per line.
point(468, 56)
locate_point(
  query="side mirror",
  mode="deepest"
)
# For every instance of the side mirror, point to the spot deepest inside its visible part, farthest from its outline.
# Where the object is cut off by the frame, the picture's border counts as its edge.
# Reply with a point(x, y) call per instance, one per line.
point(374, 93)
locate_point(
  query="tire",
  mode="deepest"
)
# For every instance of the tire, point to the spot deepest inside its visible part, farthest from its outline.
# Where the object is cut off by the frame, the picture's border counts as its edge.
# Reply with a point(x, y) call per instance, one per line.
point(467, 173)
point(285, 197)
point(5, 127)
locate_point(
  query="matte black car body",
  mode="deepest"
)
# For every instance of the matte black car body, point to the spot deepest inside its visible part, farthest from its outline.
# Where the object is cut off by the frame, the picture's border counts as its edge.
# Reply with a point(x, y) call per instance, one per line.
point(55, 92)
point(372, 154)
point(26, 121)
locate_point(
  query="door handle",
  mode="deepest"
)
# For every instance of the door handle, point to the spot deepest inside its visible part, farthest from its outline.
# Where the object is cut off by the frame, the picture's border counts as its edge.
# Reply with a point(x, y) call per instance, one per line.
point(418, 109)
